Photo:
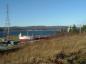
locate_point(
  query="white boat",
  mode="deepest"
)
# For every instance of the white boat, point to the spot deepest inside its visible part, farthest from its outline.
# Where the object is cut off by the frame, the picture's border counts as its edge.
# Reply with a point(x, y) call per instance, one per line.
point(25, 38)
point(9, 45)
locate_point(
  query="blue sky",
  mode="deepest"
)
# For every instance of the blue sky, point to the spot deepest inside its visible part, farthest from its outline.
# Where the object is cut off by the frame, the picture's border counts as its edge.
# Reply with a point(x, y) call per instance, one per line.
point(44, 12)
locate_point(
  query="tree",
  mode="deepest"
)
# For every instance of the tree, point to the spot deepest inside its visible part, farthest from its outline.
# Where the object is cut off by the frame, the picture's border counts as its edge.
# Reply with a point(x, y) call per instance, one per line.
point(74, 29)
point(83, 28)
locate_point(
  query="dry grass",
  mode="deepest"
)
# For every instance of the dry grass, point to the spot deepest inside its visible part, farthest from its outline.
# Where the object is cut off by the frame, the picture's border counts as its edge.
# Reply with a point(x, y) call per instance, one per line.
point(45, 51)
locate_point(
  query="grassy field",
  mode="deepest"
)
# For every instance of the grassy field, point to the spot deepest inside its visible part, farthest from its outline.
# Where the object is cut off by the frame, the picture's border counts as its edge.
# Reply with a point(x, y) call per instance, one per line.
point(68, 49)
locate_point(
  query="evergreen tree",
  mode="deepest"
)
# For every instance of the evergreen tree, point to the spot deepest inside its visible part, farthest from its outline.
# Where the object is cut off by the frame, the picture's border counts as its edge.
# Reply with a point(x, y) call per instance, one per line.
point(74, 29)
point(83, 28)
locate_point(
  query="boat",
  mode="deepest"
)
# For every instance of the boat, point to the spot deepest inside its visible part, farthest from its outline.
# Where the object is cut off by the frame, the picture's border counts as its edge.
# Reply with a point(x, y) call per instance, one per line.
point(7, 43)
point(24, 38)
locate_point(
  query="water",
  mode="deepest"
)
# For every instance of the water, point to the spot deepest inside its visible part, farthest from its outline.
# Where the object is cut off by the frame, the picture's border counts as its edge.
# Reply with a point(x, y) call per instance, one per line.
point(42, 32)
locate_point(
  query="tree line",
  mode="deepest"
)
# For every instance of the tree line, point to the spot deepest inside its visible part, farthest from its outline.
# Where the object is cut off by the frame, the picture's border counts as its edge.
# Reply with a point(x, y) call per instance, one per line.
point(75, 29)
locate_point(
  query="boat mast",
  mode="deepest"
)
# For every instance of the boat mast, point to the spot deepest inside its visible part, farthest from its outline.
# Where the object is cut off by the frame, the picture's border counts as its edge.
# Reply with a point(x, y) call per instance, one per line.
point(7, 23)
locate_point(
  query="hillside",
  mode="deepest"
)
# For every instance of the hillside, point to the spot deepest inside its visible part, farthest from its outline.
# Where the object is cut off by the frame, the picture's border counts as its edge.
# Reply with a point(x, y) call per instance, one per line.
point(17, 28)
point(68, 49)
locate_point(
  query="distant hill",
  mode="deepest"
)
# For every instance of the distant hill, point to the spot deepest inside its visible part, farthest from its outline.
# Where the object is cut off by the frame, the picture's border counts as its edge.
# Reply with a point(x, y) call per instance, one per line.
point(56, 28)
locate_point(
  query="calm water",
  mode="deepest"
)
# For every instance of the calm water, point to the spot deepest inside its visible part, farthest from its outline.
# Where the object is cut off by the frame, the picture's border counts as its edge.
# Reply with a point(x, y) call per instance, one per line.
point(42, 32)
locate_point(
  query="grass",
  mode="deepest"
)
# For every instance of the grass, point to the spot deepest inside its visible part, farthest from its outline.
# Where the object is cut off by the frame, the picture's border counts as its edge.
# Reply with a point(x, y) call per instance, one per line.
point(68, 49)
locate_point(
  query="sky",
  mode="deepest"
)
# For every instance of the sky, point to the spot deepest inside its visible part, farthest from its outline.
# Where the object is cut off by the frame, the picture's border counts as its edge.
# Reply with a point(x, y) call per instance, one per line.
point(43, 12)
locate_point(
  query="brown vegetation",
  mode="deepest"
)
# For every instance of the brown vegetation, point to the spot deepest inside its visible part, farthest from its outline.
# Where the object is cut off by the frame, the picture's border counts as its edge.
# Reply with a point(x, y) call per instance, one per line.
point(59, 50)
